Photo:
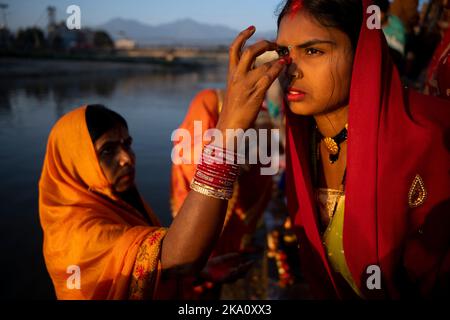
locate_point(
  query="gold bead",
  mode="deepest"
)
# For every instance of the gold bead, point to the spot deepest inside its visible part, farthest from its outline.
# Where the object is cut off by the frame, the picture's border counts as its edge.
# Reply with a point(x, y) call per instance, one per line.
point(331, 145)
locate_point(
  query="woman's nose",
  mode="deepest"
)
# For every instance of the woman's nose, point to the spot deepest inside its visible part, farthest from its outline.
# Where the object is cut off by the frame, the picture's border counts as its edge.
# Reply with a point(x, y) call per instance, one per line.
point(125, 157)
point(293, 70)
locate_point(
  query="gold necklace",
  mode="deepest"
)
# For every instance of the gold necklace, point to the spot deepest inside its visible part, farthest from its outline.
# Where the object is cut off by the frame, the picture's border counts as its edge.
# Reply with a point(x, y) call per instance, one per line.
point(333, 144)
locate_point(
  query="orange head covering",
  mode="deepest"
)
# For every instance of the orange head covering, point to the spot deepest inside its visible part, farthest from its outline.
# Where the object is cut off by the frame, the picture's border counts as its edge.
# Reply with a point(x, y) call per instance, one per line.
point(87, 226)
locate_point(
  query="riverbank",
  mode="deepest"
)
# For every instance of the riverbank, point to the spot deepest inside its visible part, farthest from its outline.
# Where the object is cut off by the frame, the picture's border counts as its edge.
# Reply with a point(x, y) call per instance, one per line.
point(35, 67)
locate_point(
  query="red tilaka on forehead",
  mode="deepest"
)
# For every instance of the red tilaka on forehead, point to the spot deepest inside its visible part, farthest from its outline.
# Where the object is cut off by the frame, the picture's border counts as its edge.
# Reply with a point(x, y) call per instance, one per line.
point(296, 6)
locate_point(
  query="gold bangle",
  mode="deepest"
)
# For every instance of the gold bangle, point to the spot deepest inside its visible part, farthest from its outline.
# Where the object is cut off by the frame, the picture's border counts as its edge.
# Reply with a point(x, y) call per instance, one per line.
point(210, 193)
point(211, 188)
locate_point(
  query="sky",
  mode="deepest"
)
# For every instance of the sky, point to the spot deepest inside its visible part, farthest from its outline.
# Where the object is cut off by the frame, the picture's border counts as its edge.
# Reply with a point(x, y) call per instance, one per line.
point(237, 14)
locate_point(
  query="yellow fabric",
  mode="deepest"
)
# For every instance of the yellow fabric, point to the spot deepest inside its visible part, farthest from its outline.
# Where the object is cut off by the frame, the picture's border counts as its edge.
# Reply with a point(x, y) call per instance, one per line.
point(334, 245)
point(85, 224)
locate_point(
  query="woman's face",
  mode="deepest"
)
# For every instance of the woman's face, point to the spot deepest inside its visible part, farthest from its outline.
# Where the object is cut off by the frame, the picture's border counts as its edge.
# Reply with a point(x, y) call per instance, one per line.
point(116, 158)
point(318, 80)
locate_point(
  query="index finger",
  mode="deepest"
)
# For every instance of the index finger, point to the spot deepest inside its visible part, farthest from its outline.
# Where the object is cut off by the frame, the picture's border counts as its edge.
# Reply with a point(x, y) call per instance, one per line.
point(238, 44)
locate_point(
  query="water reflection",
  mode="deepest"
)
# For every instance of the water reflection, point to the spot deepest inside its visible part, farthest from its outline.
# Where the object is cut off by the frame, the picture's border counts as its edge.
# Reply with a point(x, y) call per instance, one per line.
point(153, 104)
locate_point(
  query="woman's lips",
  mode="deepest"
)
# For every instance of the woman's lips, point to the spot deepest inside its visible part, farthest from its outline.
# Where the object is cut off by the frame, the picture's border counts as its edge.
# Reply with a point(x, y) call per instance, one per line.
point(127, 177)
point(295, 95)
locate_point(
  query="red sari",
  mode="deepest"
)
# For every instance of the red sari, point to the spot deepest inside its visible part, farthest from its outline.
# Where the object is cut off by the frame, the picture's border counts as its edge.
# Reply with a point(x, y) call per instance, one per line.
point(395, 135)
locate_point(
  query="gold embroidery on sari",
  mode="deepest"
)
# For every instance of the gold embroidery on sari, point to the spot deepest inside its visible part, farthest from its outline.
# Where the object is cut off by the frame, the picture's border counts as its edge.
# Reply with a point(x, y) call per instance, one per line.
point(145, 271)
point(417, 193)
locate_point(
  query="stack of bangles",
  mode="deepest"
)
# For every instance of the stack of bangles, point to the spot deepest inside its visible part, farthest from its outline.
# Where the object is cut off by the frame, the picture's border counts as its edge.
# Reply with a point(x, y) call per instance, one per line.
point(216, 173)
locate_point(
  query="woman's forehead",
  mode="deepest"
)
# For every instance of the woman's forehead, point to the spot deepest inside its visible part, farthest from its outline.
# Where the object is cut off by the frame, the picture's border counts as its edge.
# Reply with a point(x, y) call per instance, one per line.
point(117, 133)
point(299, 28)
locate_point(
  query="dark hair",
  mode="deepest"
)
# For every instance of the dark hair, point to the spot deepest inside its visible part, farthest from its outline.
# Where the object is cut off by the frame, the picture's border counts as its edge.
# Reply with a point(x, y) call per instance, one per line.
point(100, 119)
point(383, 4)
point(345, 15)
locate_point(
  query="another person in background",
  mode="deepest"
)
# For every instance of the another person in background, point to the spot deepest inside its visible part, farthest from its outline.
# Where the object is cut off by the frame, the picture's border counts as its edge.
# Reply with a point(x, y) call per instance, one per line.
point(428, 35)
point(438, 74)
point(252, 191)
point(406, 11)
point(394, 32)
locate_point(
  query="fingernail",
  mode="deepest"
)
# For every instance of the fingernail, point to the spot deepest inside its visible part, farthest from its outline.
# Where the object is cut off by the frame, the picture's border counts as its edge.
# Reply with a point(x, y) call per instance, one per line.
point(251, 28)
point(285, 60)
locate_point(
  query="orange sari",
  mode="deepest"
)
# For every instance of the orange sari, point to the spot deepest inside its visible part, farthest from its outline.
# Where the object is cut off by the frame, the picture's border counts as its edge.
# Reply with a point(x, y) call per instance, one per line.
point(251, 194)
point(87, 226)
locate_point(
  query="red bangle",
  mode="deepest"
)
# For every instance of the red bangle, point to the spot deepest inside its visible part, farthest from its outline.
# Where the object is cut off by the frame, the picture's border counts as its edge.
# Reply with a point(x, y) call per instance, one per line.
point(216, 174)
point(215, 184)
point(211, 177)
point(219, 160)
point(218, 170)
point(217, 167)
point(218, 152)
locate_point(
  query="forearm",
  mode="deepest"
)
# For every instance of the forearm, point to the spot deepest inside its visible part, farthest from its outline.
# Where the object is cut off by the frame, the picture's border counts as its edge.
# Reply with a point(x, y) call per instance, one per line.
point(198, 225)
point(194, 232)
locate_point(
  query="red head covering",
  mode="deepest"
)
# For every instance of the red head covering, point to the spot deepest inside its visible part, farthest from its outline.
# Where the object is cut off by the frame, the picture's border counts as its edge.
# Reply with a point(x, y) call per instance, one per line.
point(394, 135)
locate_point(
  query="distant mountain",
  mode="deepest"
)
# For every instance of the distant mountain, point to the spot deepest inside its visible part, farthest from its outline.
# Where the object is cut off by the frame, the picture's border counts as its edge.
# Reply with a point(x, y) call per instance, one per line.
point(180, 32)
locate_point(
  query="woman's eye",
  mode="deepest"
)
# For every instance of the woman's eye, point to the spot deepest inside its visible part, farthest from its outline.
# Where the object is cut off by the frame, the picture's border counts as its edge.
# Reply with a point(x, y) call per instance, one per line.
point(127, 143)
point(312, 51)
point(283, 52)
point(107, 151)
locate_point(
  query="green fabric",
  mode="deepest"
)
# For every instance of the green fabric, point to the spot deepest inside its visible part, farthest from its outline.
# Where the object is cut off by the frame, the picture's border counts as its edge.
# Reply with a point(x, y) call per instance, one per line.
point(395, 34)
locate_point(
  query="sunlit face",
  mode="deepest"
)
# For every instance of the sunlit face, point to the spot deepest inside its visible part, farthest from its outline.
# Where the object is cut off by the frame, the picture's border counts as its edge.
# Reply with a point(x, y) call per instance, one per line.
point(116, 158)
point(318, 80)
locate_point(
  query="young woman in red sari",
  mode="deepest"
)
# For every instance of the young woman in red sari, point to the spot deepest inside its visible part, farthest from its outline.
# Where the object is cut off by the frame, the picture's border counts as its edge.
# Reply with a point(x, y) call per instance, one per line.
point(367, 160)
